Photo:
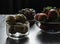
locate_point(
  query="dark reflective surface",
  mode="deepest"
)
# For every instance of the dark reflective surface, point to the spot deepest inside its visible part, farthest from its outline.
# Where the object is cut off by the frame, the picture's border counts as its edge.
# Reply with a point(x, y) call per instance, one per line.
point(20, 41)
point(49, 38)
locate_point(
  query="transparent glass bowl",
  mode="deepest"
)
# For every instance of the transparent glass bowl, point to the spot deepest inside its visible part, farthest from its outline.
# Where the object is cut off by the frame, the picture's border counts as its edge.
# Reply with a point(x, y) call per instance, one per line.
point(49, 27)
point(17, 31)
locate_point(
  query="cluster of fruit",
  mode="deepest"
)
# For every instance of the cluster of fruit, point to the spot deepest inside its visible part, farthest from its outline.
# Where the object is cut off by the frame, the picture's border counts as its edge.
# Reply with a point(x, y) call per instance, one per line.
point(24, 15)
point(12, 20)
point(49, 14)
point(29, 13)
point(17, 24)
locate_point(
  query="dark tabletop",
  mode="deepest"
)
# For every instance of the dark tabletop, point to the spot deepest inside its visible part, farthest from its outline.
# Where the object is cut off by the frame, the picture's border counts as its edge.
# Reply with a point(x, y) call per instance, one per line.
point(35, 36)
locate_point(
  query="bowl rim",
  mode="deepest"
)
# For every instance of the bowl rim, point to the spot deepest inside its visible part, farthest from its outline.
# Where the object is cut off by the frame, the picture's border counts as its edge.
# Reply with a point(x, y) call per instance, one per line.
point(50, 22)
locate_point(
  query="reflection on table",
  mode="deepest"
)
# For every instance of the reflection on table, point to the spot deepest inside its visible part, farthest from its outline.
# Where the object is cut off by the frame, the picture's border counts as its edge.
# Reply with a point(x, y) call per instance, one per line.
point(20, 41)
point(45, 38)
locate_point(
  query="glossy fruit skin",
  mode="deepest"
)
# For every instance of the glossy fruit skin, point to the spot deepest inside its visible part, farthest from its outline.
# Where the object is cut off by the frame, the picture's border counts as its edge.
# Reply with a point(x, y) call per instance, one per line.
point(52, 15)
point(25, 30)
point(46, 9)
point(20, 18)
point(36, 17)
point(21, 28)
point(11, 20)
point(28, 12)
point(41, 17)
point(44, 27)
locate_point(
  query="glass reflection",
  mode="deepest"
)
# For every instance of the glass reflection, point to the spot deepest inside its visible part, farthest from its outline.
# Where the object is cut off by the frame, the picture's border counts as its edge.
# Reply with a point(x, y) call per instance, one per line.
point(45, 38)
point(20, 41)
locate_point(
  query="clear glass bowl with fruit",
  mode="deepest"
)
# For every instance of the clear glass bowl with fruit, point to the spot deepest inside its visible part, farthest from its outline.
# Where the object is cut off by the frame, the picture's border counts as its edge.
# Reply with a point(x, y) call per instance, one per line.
point(17, 27)
point(49, 22)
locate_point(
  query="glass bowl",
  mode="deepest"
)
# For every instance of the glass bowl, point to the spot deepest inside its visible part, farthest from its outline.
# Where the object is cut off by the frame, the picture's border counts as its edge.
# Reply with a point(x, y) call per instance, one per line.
point(49, 27)
point(17, 31)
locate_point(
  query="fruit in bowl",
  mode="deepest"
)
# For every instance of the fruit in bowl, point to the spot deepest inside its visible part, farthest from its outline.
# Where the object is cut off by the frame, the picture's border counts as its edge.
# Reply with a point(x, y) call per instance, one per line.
point(17, 23)
point(46, 9)
point(49, 22)
point(52, 15)
point(11, 20)
point(41, 17)
point(50, 28)
point(20, 18)
point(21, 28)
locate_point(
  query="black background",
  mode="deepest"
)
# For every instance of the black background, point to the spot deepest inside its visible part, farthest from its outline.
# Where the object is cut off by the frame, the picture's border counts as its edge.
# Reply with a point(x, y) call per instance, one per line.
point(13, 6)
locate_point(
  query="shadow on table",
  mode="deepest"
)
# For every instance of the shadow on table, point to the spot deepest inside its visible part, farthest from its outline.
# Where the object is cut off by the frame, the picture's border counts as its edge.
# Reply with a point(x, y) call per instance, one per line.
point(21, 41)
point(45, 38)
